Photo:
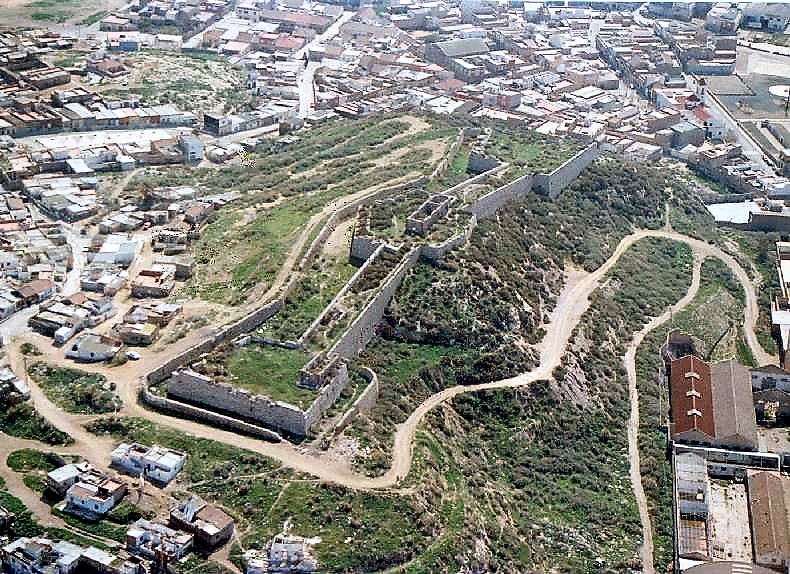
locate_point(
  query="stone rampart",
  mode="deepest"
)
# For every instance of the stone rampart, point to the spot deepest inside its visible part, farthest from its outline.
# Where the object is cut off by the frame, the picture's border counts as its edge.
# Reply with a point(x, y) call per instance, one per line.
point(193, 387)
point(326, 396)
point(553, 183)
point(345, 212)
point(448, 157)
point(363, 403)
point(490, 203)
point(340, 294)
point(359, 333)
point(243, 325)
point(212, 417)
point(363, 246)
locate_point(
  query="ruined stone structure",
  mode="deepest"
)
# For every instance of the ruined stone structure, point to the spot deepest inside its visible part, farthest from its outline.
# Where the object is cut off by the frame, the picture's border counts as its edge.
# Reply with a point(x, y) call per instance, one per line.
point(426, 215)
point(193, 387)
point(326, 372)
point(363, 403)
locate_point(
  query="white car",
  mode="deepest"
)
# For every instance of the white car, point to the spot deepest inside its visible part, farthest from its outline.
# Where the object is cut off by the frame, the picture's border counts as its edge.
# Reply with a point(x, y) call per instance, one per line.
point(133, 355)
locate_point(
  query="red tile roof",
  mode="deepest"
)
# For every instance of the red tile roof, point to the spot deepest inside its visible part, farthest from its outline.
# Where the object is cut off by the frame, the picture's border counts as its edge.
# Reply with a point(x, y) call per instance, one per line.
point(691, 396)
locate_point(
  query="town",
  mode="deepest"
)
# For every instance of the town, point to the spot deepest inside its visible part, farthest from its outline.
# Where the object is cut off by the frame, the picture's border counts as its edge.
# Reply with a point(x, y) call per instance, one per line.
point(256, 254)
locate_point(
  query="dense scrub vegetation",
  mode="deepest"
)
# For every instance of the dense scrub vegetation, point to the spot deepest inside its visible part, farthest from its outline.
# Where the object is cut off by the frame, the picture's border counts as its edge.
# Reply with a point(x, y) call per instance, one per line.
point(74, 390)
point(536, 479)
point(20, 419)
point(497, 293)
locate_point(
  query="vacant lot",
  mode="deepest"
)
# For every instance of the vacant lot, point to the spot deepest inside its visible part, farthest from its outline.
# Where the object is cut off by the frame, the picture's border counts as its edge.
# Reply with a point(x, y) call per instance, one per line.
point(75, 391)
point(49, 12)
point(194, 84)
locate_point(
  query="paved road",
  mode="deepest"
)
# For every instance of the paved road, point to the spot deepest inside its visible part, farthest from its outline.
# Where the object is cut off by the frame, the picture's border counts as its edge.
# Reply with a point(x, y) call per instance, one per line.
point(305, 80)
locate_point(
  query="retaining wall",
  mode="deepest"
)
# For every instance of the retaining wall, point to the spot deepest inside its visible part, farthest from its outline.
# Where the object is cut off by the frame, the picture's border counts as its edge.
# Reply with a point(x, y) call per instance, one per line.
point(197, 388)
point(212, 417)
point(438, 252)
point(359, 333)
point(553, 183)
point(491, 202)
point(364, 402)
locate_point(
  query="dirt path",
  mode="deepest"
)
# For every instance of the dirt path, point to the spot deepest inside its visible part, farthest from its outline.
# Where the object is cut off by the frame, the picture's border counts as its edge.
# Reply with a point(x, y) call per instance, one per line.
point(572, 303)
point(635, 469)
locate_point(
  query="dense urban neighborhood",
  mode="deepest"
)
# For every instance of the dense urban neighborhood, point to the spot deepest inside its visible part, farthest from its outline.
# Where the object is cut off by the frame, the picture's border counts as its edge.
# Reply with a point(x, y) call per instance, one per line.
point(409, 286)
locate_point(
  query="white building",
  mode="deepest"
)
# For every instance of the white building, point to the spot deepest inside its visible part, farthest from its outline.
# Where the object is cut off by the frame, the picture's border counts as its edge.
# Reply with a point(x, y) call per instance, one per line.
point(156, 463)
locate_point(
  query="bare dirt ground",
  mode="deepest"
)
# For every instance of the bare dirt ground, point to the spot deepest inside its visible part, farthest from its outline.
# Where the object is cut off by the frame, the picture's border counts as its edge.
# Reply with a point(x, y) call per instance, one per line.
point(339, 241)
point(20, 13)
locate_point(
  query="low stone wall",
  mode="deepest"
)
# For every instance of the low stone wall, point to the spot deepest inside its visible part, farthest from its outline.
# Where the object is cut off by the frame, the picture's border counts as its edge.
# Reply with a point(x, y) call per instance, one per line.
point(212, 417)
point(713, 198)
point(438, 252)
point(445, 162)
point(553, 183)
point(459, 188)
point(340, 294)
point(491, 202)
point(436, 207)
point(245, 324)
point(359, 333)
point(196, 388)
point(363, 403)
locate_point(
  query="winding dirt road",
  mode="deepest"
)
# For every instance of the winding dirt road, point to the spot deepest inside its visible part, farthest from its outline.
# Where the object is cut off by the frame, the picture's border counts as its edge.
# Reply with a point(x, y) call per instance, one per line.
point(571, 305)
point(634, 463)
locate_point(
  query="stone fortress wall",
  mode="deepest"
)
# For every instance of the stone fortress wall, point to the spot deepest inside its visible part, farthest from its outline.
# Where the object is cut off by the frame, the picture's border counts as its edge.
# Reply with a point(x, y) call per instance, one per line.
point(328, 369)
point(553, 183)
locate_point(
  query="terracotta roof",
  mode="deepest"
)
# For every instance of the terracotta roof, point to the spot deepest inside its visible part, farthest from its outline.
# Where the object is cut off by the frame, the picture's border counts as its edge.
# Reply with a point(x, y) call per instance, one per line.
point(691, 396)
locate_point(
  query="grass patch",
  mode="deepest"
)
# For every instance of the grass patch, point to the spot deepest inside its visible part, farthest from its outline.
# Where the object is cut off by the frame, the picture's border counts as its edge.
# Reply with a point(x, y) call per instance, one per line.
point(310, 296)
point(271, 371)
point(75, 391)
point(28, 459)
point(93, 18)
point(20, 419)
